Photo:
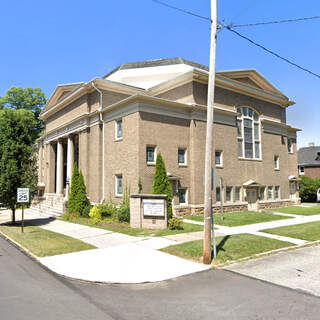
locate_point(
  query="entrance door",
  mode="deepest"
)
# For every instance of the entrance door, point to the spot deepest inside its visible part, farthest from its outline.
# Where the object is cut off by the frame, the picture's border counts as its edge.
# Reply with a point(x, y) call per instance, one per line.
point(252, 199)
point(293, 190)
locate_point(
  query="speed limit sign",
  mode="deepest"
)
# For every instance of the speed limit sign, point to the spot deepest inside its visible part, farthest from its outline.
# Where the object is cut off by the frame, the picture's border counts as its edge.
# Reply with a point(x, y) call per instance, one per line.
point(23, 195)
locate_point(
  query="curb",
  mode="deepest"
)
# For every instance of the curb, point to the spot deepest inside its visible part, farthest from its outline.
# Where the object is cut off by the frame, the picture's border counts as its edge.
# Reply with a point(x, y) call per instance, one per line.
point(267, 253)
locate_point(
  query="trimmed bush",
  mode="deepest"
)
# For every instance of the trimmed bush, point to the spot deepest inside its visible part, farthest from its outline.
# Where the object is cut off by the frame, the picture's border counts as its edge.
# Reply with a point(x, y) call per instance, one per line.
point(308, 189)
point(72, 201)
point(161, 183)
point(95, 215)
point(175, 224)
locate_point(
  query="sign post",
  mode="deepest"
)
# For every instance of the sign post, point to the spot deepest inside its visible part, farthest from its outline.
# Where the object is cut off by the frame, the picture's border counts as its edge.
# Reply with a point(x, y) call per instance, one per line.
point(22, 197)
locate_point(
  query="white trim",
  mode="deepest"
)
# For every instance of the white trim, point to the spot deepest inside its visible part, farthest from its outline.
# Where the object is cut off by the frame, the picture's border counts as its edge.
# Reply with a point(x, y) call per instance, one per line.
point(116, 129)
point(154, 154)
point(117, 176)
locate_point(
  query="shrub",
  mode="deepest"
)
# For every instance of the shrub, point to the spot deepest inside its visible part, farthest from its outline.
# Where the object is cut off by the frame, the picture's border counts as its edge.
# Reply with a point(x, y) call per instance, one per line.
point(69, 216)
point(108, 208)
point(161, 183)
point(124, 210)
point(308, 189)
point(95, 215)
point(124, 213)
point(86, 210)
point(175, 224)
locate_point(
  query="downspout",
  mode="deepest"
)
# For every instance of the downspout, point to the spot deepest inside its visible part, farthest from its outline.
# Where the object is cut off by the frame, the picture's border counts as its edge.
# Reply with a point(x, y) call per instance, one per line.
point(101, 121)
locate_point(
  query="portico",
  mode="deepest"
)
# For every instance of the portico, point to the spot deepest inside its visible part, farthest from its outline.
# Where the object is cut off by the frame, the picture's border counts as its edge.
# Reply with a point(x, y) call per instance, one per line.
point(66, 155)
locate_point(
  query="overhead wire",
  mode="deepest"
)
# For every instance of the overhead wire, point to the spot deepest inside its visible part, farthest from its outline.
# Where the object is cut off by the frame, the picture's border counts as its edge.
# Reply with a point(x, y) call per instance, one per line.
point(272, 52)
point(273, 22)
point(182, 10)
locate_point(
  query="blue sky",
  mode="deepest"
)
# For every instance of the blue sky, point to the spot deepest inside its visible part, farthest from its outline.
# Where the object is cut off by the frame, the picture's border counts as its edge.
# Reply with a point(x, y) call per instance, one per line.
point(46, 43)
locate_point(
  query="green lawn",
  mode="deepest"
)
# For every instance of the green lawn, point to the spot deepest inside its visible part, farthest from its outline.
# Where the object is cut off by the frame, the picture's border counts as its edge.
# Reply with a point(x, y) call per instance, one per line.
point(43, 243)
point(306, 231)
point(229, 248)
point(299, 210)
point(122, 227)
point(234, 219)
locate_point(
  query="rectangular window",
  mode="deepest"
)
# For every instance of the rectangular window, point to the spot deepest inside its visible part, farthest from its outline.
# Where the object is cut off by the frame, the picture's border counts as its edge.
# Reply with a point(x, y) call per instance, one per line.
point(270, 193)
point(256, 131)
point(218, 194)
point(237, 194)
point(301, 170)
point(119, 187)
point(228, 194)
point(276, 163)
point(151, 154)
point(257, 149)
point(119, 129)
point(182, 196)
point(218, 157)
point(182, 156)
point(277, 192)
point(240, 154)
point(262, 193)
point(239, 129)
point(290, 148)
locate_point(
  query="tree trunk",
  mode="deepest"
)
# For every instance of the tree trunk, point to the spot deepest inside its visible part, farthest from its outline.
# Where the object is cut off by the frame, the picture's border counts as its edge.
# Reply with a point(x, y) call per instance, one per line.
point(13, 215)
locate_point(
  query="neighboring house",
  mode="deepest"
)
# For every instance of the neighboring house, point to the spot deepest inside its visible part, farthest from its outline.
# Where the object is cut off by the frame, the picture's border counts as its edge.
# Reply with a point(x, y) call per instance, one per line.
point(113, 127)
point(309, 161)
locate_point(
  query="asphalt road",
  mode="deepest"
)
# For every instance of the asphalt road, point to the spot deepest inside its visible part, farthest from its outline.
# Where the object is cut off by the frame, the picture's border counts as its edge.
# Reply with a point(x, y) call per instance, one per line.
point(28, 291)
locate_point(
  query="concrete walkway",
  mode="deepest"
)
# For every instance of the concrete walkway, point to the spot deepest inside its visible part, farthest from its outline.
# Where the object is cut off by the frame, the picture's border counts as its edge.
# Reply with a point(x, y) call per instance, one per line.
point(120, 258)
point(257, 227)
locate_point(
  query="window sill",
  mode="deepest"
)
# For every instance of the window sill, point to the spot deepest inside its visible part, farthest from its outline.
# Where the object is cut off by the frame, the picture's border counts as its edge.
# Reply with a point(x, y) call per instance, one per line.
point(118, 139)
point(183, 165)
point(219, 167)
point(118, 195)
point(275, 169)
point(151, 164)
point(249, 159)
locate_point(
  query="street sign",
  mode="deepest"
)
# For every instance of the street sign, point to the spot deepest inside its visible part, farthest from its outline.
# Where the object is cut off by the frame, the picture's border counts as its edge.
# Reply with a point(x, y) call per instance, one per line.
point(23, 195)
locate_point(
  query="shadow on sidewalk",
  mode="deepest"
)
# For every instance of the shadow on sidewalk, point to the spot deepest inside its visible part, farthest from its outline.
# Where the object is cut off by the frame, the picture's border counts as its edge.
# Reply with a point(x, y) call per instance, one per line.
point(30, 222)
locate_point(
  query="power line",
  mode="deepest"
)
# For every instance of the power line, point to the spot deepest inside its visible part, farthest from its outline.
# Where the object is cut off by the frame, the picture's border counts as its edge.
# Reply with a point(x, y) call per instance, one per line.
point(271, 52)
point(182, 10)
point(273, 22)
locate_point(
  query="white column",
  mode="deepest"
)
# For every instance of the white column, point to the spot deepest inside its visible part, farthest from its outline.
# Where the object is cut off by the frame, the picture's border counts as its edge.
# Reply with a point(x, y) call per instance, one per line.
point(59, 175)
point(70, 158)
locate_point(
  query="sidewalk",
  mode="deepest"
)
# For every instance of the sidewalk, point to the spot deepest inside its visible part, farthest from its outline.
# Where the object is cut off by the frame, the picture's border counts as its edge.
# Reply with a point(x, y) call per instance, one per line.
point(119, 258)
point(255, 228)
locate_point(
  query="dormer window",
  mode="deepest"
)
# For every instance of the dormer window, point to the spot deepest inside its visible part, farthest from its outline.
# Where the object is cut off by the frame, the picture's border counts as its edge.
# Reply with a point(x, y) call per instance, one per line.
point(248, 130)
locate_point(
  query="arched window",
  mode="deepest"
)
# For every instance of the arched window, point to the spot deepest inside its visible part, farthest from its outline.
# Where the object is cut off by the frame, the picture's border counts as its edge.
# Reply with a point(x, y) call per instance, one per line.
point(248, 126)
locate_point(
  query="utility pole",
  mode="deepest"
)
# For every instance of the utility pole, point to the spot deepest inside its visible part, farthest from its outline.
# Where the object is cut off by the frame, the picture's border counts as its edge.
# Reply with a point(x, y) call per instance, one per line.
point(209, 139)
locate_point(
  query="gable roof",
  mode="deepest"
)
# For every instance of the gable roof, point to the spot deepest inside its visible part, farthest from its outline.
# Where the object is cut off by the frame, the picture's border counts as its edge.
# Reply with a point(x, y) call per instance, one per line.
point(309, 156)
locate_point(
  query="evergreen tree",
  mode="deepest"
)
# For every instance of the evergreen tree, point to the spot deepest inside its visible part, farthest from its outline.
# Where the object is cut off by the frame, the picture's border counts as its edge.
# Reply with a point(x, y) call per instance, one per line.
point(161, 183)
point(81, 197)
point(78, 196)
point(72, 201)
point(18, 164)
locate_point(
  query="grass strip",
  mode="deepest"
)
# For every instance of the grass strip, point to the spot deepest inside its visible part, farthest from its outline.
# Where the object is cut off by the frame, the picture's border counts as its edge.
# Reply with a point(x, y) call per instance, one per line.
point(43, 243)
point(229, 248)
point(299, 210)
point(309, 231)
point(235, 219)
point(123, 227)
